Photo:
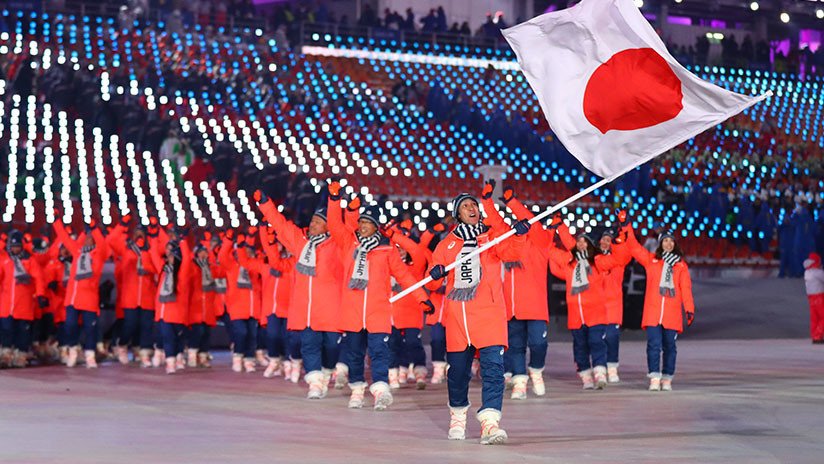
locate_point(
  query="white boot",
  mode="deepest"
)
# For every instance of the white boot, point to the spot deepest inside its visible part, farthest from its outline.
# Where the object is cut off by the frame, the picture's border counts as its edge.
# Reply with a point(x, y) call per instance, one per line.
point(586, 378)
point(654, 381)
point(260, 358)
point(327, 377)
point(420, 377)
point(19, 359)
point(507, 381)
point(237, 362)
point(382, 394)
point(74, 353)
point(438, 372)
point(341, 376)
point(457, 423)
point(287, 369)
point(64, 354)
point(403, 375)
point(145, 358)
point(394, 382)
point(491, 433)
point(537, 378)
point(91, 361)
point(315, 381)
point(600, 375)
point(180, 362)
point(122, 353)
point(666, 383)
point(356, 398)
point(297, 365)
point(612, 373)
point(191, 357)
point(476, 368)
point(249, 365)
point(158, 358)
point(171, 365)
point(519, 387)
point(6, 355)
point(273, 369)
point(203, 360)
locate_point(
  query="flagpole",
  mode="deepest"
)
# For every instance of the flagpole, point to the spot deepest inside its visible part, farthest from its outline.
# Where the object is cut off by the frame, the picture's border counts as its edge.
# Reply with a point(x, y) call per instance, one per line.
point(511, 232)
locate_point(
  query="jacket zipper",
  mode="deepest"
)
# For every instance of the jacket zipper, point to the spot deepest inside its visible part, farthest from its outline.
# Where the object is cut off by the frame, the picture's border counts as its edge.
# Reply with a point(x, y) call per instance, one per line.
point(309, 306)
point(581, 310)
point(365, 297)
point(466, 326)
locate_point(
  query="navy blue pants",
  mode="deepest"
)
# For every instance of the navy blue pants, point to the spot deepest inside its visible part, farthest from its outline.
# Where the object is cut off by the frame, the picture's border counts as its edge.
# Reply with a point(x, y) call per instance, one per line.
point(319, 349)
point(15, 333)
point(377, 345)
point(406, 347)
point(437, 334)
point(138, 325)
point(588, 346)
point(200, 336)
point(613, 340)
point(276, 336)
point(72, 327)
point(244, 336)
point(459, 375)
point(661, 340)
point(172, 336)
point(523, 334)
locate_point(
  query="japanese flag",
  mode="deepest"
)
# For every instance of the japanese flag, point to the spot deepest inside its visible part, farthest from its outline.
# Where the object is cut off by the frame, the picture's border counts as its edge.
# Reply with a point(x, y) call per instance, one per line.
point(609, 88)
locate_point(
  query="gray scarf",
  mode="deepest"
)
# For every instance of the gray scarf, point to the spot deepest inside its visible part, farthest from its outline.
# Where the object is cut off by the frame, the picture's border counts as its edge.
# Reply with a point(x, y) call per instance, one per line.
point(580, 279)
point(308, 257)
point(360, 271)
point(243, 279)
point(468, 274)
point(206, 279)
point(168, 289)
point(21, 275)
point(667, 285)
point(83, 269)
point(137, 251)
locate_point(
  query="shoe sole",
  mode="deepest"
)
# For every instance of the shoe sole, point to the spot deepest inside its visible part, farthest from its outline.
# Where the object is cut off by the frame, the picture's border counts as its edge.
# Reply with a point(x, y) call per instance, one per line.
point(497, 439)
point(457, 438)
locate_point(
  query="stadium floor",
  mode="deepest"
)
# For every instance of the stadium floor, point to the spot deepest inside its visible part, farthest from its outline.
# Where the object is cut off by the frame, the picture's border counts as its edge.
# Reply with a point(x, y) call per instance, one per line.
point(753, 401)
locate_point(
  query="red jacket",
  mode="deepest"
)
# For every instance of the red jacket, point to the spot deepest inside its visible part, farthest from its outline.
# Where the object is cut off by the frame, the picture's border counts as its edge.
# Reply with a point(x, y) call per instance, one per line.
point(177, 311)
point(406, 313)
point(659, 309)
point(242, 298)
point(369, 308)
point(482, 321)
point(202, 301)
point(315, 300)
point(278, 280)
point(84, 293)
point(18, 299)
point(525, 283)
point(614, 294)
point(135, 289)
point(588, 307)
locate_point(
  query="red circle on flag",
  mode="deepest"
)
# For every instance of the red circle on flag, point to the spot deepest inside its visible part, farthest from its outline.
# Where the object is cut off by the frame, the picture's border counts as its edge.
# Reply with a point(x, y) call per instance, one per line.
point(634, 89)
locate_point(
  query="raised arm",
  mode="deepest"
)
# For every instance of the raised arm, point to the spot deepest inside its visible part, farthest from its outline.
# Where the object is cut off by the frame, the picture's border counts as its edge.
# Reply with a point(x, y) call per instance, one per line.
point(641, 254)
point(410, 246)
point(539, 236)
point(566, 238)
point(254, 265)
point(63, 236)
point(401, 273)
point(334, 217)
point(225, 254)
point(351, 215)
point(288, 233)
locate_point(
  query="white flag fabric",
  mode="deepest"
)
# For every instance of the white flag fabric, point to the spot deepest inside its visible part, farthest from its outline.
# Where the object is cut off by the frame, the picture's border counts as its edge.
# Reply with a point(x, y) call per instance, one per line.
point(609, 88)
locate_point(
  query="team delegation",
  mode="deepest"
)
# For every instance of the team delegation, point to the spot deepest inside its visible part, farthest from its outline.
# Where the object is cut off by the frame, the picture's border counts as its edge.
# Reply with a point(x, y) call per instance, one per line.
point(313, 303)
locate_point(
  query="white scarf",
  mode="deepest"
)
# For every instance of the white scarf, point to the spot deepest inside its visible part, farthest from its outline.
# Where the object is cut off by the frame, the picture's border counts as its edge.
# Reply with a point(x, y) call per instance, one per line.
point(467, 274)
point(667, 285)
point(83, 269)
point(220, 286)
point(308, 258)
point(168, 290)
point(137, 251)
point(206, 279)
point(21, 275)
point(360, 271)
point(580, 279)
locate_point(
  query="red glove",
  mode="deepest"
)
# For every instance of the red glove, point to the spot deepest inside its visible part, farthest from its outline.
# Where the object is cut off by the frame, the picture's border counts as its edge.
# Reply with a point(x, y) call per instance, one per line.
point(407, 224)
point(250, 241)
point(556, 221)
point(509, 194)
point(252, 230)
point(207, 236)
point(334, 189)
point(241, 238)
point(92, 223)
point(622, 218)
point(489, 187)
point(230, 235)
point(140, 242)
point(354, 204)
point(439, 228)
point(389, 231)
point(126, 219)
point(260, 197)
